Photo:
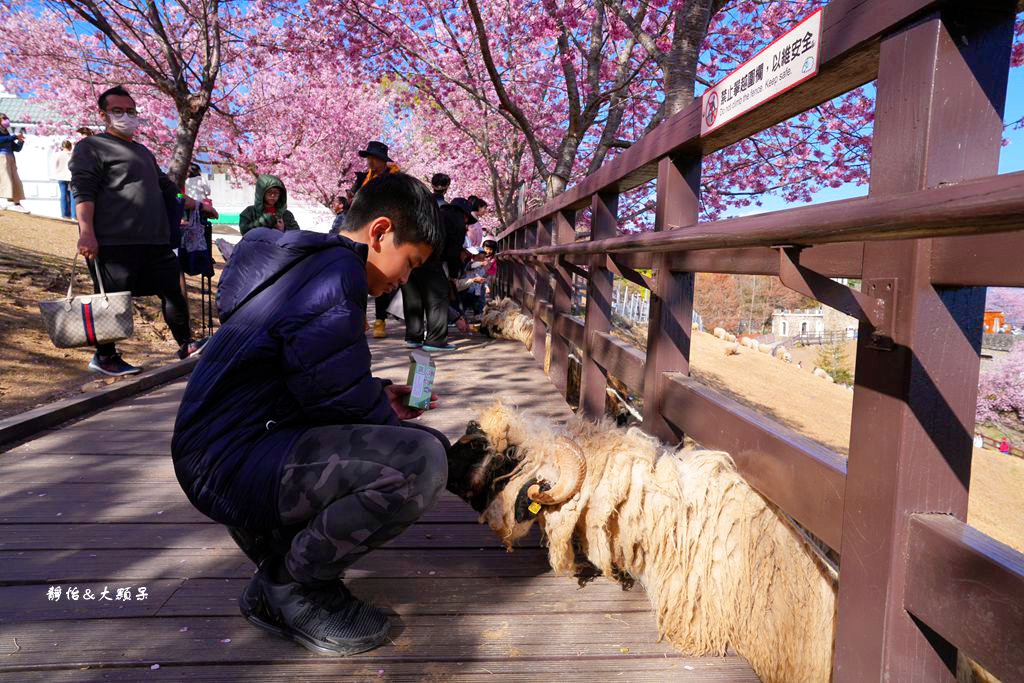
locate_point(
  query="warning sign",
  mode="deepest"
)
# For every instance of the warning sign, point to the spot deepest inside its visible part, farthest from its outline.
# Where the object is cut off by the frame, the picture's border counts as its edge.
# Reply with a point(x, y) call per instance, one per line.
point(787, 62)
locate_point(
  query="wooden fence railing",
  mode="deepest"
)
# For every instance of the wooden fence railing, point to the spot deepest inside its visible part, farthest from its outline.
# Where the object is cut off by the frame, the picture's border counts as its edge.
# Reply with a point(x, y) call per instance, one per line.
point(938, 225)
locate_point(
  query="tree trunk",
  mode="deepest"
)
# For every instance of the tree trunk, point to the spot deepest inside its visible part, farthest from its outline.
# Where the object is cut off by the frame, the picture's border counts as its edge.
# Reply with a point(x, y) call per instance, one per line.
point(184, 145)
point(680, 66)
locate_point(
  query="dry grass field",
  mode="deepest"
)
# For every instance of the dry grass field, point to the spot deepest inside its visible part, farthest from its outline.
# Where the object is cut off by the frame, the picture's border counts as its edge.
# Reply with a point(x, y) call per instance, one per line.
point(822, 411)
point(35, 261)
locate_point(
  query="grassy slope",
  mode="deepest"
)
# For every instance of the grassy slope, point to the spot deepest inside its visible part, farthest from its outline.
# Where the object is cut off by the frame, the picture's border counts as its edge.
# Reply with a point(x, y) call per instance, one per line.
point(822, 411)
point(35, 259)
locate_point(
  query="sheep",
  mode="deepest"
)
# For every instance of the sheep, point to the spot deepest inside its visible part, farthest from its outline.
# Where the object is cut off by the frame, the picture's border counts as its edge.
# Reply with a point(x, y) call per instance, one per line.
point(720, 333)
point(818, 372)
point(780, 351)
point(748, 342)
point(787, 357)
point(732, 350)
point(731, 338)
point(505, 320)
point(721, 565)
point(765, 348)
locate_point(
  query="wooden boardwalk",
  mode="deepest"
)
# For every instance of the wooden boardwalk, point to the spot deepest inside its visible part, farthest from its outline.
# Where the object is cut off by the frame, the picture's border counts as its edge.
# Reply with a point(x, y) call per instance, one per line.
point(95, 505)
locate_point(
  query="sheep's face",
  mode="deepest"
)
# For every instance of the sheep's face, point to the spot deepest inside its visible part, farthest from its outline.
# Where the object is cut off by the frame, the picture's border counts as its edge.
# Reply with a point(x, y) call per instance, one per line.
point(485, 477)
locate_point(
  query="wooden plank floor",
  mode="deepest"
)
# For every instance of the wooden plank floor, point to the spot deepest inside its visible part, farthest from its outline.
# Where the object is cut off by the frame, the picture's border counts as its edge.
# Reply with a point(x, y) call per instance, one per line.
point(95, 505)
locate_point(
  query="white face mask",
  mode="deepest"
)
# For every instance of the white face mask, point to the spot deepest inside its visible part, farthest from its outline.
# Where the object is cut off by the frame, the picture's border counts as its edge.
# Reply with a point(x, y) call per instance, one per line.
point(126, 124)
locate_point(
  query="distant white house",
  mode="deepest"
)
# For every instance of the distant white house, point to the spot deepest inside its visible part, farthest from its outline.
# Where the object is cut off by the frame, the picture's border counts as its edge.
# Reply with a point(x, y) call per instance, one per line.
point(35, 164)
point(813, 321)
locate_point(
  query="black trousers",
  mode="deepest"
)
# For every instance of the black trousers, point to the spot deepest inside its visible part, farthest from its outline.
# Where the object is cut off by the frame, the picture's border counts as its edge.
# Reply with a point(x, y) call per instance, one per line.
point(383, 301)
point(425, 300)
point(144, 270)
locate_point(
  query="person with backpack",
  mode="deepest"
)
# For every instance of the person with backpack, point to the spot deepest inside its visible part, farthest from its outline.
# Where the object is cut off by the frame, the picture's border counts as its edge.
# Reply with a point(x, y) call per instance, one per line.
point(285, 436)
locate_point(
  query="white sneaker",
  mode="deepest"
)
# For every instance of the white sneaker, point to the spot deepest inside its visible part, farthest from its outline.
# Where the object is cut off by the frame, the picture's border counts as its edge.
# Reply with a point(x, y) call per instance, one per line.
point(17, 207)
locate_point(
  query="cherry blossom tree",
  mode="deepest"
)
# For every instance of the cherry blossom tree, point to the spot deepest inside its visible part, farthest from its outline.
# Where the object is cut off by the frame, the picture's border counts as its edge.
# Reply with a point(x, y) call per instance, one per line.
point(572, 83)
point(513, 99)
point(220, 87)
point(1001, 392)
point(171, 54)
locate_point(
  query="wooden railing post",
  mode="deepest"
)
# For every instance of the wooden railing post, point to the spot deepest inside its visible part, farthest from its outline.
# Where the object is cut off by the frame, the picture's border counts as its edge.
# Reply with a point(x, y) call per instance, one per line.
point(593, 383)
point(541, 293)
point(518, 283)
point(671, 312)
point(500, 290)
point(938, 118)
point(561, 302)
point(529, 273)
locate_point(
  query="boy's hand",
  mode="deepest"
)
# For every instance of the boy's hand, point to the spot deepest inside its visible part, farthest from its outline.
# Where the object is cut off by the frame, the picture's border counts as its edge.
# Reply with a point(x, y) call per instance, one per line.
point(397, 394)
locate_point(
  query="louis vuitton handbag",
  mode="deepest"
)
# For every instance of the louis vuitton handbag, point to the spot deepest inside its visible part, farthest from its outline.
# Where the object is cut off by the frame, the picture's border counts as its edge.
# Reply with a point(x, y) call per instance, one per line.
point(87, 319)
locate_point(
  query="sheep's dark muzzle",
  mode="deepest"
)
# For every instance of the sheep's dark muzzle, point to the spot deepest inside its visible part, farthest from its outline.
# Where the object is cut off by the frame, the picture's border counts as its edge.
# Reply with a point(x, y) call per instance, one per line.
point(473, 466)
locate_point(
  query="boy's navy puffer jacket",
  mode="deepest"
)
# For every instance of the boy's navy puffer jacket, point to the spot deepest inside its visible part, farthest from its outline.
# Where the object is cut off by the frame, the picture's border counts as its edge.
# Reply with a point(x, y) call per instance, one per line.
point(292, 356)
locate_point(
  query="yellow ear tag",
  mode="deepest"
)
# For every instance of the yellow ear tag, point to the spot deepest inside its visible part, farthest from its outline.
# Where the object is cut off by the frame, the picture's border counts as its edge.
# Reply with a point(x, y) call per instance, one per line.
point(534, 507)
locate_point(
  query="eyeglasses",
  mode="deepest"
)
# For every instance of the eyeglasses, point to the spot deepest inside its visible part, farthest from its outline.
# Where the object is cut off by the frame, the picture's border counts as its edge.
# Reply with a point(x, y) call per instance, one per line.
point(118, 111)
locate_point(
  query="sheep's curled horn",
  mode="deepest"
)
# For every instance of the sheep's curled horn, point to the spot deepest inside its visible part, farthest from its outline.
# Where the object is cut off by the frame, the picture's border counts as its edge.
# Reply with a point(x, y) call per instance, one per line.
point(572, 469)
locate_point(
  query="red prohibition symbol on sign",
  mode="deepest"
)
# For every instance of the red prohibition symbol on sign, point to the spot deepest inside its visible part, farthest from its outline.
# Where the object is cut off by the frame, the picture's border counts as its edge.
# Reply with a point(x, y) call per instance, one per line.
point(712, 112)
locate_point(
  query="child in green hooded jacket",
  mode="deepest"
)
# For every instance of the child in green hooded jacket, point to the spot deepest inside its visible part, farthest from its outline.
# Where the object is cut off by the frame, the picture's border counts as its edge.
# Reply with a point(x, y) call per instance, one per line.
point(270, 207)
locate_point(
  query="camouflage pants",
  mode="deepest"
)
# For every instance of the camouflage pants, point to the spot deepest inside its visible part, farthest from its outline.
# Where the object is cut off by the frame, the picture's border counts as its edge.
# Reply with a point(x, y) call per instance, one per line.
point(347, 489)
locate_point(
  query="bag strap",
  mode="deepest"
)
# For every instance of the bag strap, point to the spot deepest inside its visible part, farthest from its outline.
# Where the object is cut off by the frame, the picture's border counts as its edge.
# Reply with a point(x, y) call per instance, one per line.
point(277, 276)
point(99, 276)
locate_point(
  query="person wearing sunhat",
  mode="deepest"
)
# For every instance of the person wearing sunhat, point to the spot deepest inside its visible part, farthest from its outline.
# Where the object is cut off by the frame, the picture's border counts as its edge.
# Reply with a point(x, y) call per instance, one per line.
point(378, 164)
point(428, 292)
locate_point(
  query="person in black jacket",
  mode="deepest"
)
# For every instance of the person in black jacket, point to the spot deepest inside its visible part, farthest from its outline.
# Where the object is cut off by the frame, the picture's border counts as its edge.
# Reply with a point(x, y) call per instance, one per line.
point(284, 435)
point(439, 183)
point(426, 297)
point(122, 199)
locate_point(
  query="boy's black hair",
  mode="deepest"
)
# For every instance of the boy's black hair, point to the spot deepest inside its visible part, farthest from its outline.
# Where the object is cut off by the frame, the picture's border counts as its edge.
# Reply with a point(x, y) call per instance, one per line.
point(476, 202)
point(116, 90)
point(403, 199)
point(440, 180)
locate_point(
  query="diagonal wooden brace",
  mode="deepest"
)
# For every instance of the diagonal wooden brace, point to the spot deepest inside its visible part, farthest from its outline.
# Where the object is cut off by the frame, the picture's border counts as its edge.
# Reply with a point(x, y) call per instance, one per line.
point(572, 267)
point(876, 306)
point(615, 265)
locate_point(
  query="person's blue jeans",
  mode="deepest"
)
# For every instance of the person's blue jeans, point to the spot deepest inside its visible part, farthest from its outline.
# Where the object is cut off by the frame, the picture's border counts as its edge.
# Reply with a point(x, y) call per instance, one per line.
point(67, 207)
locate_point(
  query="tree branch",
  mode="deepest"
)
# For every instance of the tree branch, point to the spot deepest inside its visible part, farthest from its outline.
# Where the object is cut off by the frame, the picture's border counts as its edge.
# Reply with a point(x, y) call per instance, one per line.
point(506, 102)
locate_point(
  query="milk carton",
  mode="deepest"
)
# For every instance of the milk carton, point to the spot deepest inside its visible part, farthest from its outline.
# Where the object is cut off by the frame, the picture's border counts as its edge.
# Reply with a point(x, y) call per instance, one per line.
point(421, 379)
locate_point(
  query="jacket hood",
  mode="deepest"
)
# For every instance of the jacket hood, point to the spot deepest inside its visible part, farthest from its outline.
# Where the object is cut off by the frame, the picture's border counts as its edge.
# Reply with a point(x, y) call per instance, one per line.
point(264, 254)
point(264, 182)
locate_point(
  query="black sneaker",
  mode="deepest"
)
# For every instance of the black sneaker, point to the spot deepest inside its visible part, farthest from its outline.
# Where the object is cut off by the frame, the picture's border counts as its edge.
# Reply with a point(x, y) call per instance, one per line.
point(113, 366)
point(326, 620)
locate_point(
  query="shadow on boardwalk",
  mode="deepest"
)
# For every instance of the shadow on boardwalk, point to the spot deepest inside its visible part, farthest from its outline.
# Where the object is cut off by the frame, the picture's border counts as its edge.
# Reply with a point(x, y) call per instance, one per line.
point(95, 505)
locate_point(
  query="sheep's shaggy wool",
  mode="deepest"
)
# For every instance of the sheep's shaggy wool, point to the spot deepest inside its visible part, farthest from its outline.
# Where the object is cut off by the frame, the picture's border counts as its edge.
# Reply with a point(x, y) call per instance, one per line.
point(720, 564)
point(504, 319)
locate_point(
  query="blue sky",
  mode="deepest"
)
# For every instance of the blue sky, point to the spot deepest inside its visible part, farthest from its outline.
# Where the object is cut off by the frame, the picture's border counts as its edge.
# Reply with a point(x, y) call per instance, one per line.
point(1011, 157)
